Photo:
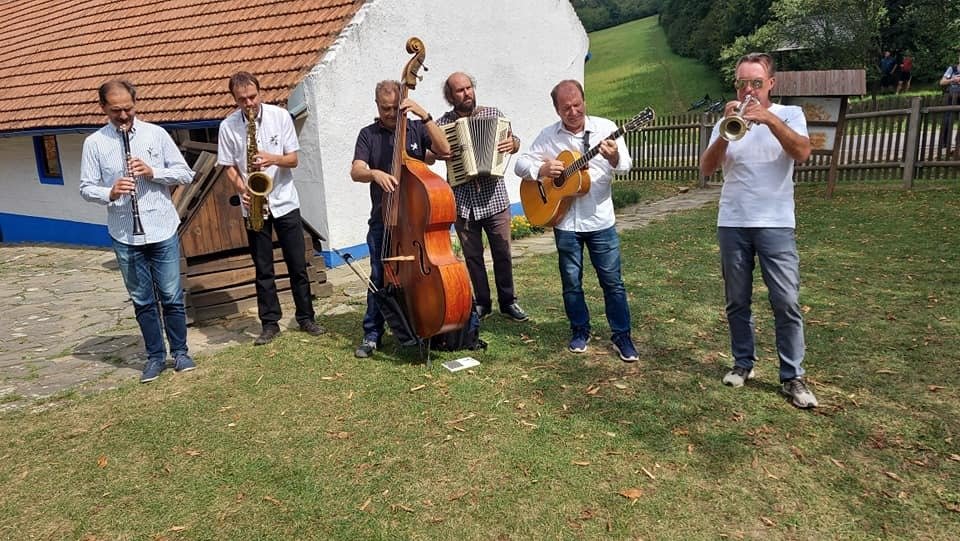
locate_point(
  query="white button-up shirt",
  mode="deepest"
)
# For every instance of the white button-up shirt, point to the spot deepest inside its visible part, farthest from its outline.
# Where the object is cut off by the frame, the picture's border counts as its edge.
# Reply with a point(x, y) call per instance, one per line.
point(275, 135)
point(592, 211)
point(103, 162)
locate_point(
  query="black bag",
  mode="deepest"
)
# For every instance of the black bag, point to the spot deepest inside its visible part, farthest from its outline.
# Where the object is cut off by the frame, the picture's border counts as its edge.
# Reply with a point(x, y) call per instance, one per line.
point(465, 338)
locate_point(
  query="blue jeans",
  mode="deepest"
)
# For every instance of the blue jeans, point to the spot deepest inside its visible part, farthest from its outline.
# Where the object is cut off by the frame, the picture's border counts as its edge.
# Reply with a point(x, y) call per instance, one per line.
point(373, 318)
point(604, 249)
point(151, 271)
point(776, 249)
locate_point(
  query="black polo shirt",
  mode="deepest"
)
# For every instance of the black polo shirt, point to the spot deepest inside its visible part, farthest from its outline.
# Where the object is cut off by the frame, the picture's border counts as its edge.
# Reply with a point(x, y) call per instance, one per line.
point(375, 147)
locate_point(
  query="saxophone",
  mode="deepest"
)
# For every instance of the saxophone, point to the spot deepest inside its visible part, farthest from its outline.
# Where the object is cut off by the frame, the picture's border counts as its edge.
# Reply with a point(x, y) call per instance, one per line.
point(259, 184)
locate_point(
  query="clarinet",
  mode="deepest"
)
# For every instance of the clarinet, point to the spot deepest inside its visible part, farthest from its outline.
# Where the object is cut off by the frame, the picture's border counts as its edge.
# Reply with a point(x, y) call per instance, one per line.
point(137, 225)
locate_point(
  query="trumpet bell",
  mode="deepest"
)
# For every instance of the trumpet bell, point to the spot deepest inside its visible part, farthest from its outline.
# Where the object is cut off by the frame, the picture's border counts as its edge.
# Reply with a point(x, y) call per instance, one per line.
point(733, 128)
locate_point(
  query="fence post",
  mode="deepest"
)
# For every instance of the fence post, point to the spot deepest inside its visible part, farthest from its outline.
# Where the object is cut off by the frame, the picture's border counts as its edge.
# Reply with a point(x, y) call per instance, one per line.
point(913, 141)
point(704, 141)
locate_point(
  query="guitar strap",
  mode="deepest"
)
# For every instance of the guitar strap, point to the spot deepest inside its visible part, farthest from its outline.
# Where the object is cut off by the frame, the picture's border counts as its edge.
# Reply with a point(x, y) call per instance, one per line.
point(586, 141)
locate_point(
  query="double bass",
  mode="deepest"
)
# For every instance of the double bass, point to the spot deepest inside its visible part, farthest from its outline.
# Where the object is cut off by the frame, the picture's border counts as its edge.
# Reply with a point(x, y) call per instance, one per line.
point(429, 281)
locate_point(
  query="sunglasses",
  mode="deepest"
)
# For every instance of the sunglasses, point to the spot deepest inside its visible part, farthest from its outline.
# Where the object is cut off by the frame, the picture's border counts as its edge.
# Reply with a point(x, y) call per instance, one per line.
point(755, 84)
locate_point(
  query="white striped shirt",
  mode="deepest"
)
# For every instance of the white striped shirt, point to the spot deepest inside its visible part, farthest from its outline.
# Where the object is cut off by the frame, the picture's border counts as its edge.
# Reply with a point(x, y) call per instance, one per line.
point(103, 162)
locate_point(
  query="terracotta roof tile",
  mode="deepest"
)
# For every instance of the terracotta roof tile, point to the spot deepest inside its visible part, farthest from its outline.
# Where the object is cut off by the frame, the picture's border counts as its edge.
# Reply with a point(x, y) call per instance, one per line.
point(179, 53)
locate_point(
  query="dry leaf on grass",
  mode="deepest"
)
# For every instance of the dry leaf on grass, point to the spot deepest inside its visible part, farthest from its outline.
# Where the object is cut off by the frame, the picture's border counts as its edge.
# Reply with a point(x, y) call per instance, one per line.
point(955, 457)
point(935, 388)
point(581, 463)
point(193, 452)
point(952, 507)
point(365, 505)
point(631, 493)
point(417, 388)
point(102, 461)
point(893, 476)
point(177, 528)
point(768, 522)
point(273, 500)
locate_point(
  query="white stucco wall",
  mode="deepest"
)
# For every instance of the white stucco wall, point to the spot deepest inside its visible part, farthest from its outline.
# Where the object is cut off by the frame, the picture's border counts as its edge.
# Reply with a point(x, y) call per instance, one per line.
point(24, 195)
point(516, 51)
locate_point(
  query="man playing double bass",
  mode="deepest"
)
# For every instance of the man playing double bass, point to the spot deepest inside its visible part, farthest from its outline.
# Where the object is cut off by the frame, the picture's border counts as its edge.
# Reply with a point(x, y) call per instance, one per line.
point(372, 163)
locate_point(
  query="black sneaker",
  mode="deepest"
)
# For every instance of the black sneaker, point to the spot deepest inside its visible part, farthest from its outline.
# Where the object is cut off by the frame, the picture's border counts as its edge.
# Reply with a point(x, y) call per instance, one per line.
point(311, 328)
point(514, 312)
point(365, 349)
point(267, 336)
point(483, 311)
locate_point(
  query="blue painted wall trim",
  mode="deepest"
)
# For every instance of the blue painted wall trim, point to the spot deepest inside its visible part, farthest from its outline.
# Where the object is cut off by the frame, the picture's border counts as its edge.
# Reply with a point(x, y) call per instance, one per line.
point(20, 228)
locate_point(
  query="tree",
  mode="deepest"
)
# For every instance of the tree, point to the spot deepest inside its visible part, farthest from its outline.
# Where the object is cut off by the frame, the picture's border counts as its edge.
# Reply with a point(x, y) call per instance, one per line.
point(838, 33)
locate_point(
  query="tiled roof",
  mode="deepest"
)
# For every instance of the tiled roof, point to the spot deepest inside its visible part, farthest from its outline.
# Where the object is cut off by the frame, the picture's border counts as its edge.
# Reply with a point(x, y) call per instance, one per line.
point(180, 53)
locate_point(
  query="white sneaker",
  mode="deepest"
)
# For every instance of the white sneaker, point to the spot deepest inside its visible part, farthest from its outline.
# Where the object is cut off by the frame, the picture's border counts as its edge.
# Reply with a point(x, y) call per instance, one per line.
point(800, 396)
point(737, 376)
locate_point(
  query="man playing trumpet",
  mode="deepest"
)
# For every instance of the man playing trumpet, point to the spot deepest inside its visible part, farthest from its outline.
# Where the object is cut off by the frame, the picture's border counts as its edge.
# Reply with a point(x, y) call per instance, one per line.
point(276, 155)
point(756, 220)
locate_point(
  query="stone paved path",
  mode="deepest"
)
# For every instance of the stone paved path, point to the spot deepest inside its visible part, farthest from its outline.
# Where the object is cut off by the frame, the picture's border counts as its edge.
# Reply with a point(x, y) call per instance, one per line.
point(67, 325)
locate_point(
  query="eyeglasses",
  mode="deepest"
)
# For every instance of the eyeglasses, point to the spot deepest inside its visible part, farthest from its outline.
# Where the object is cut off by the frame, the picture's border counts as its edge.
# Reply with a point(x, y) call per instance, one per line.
point(755, 84)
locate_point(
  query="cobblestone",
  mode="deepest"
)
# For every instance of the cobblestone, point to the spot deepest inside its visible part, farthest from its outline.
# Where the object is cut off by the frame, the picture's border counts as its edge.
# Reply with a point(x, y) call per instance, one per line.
point(67, 324)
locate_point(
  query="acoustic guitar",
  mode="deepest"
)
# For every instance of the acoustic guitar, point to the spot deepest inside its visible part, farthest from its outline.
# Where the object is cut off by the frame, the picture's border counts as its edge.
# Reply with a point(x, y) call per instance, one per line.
point(545, 201)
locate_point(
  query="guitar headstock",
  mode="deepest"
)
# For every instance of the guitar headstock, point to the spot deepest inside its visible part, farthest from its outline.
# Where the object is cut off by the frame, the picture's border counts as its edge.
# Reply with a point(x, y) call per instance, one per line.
point(640, 120)
point(419, 51)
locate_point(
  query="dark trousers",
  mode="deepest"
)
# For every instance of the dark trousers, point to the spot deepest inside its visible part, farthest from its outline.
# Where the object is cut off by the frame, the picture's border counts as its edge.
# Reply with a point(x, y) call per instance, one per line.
point(290, 235)
point(497, 228)
point(952, 98)
point(373, 318)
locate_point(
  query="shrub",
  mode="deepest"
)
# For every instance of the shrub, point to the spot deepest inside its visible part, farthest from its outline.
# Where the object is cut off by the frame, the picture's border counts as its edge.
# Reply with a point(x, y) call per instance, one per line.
point(520, 227)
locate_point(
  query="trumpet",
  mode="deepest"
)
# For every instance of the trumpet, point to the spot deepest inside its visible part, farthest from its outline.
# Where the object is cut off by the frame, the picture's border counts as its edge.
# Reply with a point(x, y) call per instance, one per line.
point(733, 128)
point(259, 184)
point(134, 207)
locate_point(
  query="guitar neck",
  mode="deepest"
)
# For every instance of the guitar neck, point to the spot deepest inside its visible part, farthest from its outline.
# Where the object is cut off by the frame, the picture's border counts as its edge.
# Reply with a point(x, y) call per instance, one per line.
point(582, 161)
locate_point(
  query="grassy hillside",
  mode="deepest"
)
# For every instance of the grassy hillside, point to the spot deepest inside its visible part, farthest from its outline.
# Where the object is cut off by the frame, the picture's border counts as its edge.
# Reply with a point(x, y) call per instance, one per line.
point(631, 67)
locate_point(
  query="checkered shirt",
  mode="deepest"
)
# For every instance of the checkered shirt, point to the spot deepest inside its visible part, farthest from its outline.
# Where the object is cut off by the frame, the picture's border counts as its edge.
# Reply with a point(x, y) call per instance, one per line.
point(484, 196)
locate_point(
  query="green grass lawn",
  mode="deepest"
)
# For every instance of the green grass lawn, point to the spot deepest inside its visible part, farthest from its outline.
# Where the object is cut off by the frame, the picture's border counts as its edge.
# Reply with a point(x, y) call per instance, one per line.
point(299, 440)
point(631, 67)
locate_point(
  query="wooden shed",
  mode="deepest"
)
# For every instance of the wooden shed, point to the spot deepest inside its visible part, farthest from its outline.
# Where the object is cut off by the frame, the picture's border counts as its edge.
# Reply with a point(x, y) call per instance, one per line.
point(823, 96)
point(216, 268)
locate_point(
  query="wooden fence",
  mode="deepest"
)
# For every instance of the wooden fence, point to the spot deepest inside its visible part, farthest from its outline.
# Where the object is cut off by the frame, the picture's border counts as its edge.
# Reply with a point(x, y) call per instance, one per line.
point(915, 138)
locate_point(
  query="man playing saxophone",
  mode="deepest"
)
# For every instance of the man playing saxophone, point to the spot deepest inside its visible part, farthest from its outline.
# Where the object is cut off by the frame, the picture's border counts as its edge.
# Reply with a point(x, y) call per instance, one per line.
point(273, 135)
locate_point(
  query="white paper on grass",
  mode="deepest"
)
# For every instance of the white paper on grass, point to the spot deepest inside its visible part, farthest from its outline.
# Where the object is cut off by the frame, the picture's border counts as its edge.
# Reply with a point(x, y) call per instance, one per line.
point(461, 364)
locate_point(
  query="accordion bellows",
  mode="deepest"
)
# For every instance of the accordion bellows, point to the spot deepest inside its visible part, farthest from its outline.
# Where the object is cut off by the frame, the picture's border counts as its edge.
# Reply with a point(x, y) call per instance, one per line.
point(473, 148)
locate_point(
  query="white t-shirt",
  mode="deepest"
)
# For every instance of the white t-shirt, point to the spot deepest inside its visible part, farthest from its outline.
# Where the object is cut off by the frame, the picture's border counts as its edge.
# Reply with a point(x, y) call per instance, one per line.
point(758, 175)
point(275, 135)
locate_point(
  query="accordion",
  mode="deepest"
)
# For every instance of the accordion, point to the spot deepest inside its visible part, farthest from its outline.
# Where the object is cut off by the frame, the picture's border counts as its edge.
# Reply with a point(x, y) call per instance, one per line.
point(473, 148)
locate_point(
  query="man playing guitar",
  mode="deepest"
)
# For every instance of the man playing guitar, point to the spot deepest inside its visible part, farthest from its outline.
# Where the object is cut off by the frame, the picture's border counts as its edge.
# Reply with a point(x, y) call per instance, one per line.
point(590, 220)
